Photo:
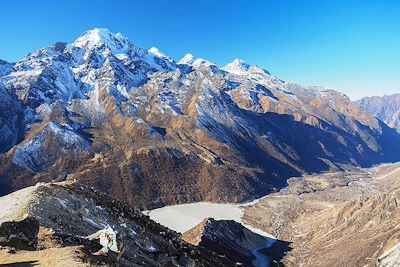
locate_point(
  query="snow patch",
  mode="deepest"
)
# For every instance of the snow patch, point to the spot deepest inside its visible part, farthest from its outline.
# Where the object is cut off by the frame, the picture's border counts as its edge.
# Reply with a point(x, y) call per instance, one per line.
point(117, 43)
point(238, 66)
point(151, 249)
point(158, 53)
point(63, 202)
point(30, 154)
point(188, 59)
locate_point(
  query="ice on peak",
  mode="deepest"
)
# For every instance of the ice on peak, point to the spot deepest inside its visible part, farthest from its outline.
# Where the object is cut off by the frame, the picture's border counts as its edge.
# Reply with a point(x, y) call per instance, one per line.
point(188, 59)
point(116, 42)
point(237, 66)
point(240, 63)
point(155, 51)
point(97, 35)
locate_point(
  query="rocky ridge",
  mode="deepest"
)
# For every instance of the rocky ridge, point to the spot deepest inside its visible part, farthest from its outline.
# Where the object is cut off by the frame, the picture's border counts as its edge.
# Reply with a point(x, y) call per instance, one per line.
point(71, 224)
point(230, 238)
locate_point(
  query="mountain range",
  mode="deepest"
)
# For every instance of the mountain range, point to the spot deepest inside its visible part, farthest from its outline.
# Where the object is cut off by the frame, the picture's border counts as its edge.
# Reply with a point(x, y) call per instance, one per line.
point(385, 108)
point(96, 133)
point(149, 130)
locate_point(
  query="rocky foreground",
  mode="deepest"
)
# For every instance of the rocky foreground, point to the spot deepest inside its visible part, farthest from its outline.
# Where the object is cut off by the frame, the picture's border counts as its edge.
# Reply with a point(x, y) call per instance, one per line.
point(71, 225)
point(334, 219)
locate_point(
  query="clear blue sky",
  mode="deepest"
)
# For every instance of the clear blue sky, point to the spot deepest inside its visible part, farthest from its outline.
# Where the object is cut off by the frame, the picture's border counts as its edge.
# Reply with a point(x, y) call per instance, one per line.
point(352, 46)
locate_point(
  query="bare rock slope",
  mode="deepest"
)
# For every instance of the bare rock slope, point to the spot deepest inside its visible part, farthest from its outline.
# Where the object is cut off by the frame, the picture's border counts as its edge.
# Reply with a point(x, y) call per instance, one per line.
point(71, 225)
point(230, 238)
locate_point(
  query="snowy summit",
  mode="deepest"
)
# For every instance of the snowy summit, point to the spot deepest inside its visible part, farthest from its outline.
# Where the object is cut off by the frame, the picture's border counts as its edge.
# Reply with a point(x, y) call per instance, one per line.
point(237, 66)
point(116, 42)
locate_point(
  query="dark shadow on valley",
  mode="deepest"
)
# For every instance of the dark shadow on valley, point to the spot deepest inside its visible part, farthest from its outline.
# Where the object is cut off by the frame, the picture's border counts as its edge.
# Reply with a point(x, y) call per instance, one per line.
point(276, 252)
point(282, 147)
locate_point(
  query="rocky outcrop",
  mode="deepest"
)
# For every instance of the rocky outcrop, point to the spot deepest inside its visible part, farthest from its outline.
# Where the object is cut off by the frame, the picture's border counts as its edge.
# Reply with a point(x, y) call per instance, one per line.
point(105, 231)
point(230, 238)
point(21, 235)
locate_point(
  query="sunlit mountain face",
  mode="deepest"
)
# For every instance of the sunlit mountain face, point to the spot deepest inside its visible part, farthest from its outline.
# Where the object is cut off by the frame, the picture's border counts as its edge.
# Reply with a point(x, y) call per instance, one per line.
point(151, 130)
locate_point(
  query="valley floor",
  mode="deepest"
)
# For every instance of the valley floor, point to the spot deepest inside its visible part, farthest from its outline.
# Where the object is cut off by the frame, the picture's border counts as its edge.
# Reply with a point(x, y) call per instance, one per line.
point(336, 219)
point(331, 219)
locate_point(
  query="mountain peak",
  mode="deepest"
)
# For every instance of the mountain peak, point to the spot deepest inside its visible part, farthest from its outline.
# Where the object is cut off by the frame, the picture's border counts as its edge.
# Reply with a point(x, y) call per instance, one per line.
point(237, 66)
point(240, 62)
point(96, 37)
point(157, 52)
point(188, 59)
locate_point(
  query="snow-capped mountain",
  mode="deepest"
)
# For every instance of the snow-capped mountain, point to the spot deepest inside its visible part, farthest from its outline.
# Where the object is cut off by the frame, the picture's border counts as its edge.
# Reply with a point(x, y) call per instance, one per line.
point(385, 108)
point(137, 124)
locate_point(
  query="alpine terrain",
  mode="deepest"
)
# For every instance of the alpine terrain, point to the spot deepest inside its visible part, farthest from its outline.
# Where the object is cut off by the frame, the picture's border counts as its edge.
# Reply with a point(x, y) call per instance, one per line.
point(385, 108)
point(100, 140)
point(150, 130)
point(66, 224)
point(347, 218)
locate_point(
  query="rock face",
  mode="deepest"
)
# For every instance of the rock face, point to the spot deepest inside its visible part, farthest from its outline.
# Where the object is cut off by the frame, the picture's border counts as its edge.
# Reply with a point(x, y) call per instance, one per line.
point(385, 108)
point(11, 120)
point(336, 219)
point(20, 234)
point(149, 130)
point(67, 217)
point(229, 238)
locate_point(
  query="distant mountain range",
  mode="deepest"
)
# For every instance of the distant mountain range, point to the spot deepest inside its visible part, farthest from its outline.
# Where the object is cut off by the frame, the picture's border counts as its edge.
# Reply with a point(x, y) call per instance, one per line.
point(386, 108)
point(149, 130)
